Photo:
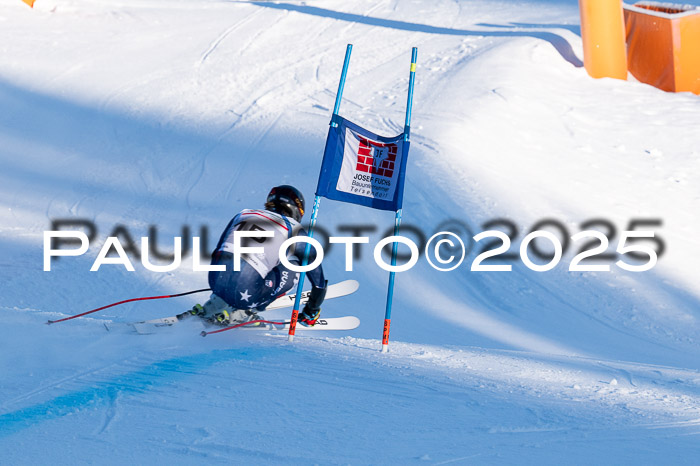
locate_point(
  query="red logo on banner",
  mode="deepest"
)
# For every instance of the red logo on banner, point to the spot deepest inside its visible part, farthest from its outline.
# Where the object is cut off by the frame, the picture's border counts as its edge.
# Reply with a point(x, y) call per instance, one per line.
point(376, 158)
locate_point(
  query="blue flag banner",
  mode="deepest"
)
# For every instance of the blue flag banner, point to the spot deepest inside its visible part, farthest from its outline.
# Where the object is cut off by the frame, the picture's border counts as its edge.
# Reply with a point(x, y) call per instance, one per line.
point(363, 168)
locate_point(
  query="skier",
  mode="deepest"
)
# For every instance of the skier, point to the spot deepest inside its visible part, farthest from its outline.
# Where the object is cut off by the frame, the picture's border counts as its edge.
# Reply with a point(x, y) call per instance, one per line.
point(239, 296)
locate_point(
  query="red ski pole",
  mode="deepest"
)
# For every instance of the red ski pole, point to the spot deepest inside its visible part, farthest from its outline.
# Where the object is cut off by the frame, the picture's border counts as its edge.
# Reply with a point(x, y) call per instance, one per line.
point(126, 301)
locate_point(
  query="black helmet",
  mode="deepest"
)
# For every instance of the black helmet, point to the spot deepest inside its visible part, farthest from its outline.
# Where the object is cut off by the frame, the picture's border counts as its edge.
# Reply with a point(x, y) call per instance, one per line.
point(286, 200)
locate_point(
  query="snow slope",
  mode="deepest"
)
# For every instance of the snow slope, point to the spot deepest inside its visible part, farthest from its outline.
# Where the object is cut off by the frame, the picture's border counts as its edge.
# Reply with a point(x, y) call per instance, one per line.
point(181, 113)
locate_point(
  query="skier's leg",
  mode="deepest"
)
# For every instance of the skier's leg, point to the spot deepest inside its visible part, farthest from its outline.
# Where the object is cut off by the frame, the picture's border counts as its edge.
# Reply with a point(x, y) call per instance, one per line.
point(240, 290)
point(238, 295)
point(213, 307)
point(278, 282)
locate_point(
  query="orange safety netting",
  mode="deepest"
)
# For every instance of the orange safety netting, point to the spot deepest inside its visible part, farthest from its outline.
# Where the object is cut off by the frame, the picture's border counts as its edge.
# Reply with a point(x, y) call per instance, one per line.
point(662, 7)
point(663, 45)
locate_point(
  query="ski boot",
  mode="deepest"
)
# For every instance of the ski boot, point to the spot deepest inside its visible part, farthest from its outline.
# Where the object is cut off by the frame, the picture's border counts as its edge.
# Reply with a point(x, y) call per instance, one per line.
point(214, 310)
point(197, 310)
point(238, 316)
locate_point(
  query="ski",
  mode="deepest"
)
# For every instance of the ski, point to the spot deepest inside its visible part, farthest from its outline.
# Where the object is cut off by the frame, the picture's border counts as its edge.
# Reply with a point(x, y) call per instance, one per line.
point(335, 290)
point(331, 323)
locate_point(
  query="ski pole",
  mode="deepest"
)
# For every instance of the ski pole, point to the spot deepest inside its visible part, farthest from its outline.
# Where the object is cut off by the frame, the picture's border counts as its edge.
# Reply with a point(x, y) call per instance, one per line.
point(126, 301)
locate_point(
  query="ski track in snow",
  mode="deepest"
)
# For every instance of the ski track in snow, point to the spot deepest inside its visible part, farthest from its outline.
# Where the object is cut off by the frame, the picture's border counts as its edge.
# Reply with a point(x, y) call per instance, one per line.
point(590, 390)
point(216, 42)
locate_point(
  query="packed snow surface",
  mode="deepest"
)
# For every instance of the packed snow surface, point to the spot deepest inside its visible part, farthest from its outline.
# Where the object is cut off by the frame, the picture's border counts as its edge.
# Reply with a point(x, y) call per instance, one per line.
point(171, 116)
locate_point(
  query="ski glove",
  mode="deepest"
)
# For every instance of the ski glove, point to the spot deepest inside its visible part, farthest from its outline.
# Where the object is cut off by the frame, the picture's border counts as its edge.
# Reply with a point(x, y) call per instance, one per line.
point(312, 308)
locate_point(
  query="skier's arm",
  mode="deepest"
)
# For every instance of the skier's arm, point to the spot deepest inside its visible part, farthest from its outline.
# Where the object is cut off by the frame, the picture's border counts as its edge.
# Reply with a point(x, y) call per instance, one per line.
point(312, 308)
point(216, 254)
point(315, 276)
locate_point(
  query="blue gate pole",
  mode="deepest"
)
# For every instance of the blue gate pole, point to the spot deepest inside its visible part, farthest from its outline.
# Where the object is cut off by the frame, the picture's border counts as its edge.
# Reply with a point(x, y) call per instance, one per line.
point(341, 85)
point(302, 275)
point(397, 220)
point(390, 290)
point(317, 201)
point(409, 101)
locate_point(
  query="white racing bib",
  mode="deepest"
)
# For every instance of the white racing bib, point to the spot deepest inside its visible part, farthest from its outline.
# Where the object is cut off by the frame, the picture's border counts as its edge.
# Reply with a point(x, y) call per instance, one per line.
point(261, 220)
